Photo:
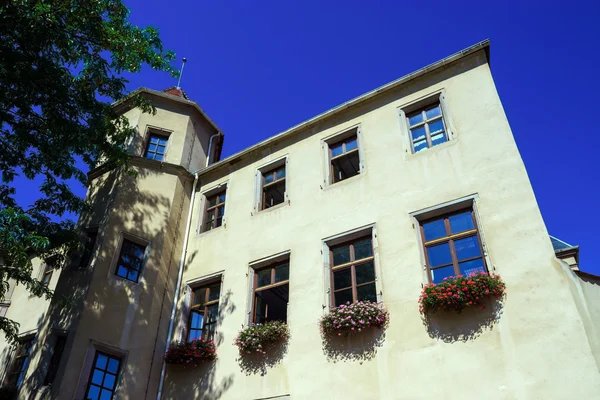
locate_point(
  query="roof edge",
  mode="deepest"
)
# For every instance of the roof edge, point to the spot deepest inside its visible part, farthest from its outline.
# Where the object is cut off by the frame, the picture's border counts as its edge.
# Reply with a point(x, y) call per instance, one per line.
point(483, 45)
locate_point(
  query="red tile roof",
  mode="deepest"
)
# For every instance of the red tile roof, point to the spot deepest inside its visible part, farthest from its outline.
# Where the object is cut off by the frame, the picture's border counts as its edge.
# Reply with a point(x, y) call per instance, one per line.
point(175, 91)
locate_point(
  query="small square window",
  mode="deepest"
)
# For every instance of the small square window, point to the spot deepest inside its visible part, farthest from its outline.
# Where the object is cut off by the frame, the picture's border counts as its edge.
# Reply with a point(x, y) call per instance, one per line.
point(427, 126)
point(215, 211)
point(344, 158)
point(130, 260)
point(156, 147)
point(204, 313)
point(452, 245)
point(273, 187)
point(103, 377)
point(271, 292)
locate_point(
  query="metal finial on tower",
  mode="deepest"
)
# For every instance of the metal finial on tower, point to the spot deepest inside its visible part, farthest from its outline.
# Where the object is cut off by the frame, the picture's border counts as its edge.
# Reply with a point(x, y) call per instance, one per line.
point(184, 60)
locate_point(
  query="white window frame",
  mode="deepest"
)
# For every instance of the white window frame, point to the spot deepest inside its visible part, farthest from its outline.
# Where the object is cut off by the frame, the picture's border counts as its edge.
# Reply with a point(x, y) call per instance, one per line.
point(258, 185)
point(336, 137)
point(438, 96)
point(328, 242)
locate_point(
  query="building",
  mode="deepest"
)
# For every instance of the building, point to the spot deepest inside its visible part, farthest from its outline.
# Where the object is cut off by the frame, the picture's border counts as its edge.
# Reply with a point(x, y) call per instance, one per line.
point(412, 182)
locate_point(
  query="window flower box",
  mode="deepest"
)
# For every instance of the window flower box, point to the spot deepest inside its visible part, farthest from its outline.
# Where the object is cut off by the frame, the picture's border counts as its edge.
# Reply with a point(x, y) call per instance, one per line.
point(348, 319)
point(459, 292)
point(257, 338)
point(191, 353)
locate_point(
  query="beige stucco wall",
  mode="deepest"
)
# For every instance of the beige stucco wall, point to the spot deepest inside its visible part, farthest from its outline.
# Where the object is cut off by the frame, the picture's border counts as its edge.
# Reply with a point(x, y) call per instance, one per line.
point(537, 349)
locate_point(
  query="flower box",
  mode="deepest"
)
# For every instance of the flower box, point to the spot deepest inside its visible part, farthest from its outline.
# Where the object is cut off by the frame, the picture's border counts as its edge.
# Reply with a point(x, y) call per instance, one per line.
point(352, 318)
point(459, 292)
point(257, 338)
point(191, 353)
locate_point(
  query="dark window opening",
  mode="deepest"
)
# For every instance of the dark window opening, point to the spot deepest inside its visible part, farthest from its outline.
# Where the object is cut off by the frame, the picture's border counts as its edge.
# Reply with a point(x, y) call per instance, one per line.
point(59, 346)
point(130, 260)
point(103, 377)
point(273, 187)
point(20, 363)
point(344, 158)
point(204, 313)
point(48, 270)
point(215, 211)
point(155, 150)
point(271, 293)
point(89, 241)
point(353, 272)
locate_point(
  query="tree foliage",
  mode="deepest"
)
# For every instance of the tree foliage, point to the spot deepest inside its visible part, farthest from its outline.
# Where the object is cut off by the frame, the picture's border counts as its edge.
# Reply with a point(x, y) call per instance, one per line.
point(61, 66)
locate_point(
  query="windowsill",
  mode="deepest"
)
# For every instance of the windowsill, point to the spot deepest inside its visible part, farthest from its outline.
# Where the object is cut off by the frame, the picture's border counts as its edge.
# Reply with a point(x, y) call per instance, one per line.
point(278, 206)
point(219, 228)
point(124, 281)
point(345, 181)
point(439, 147)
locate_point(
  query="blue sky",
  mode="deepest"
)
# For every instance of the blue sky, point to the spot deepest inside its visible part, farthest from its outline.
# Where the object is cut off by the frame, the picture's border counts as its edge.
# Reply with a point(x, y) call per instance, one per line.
point(260, 67)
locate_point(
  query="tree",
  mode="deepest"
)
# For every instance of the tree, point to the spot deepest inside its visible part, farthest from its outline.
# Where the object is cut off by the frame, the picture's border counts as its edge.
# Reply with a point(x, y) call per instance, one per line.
point(61, 66)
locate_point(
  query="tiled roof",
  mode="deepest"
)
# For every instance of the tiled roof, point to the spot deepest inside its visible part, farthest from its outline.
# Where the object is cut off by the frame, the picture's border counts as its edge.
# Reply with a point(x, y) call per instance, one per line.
point(175, 91)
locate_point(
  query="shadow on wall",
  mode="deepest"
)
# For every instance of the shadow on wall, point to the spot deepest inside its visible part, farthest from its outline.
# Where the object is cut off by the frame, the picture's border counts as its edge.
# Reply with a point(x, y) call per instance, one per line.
point(359, 347)
point(255, 363)
point(467, 325)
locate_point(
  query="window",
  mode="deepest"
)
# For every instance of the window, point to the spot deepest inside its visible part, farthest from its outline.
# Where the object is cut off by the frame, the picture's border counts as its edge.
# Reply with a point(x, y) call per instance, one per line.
point(452, 245)
point(271, 293)
point(273, 187)
point(344, 158)
point(353, 271)
point(103, 377)
point(215, 211)
point(59, 346)
point(204, 312)
point(130, 260)
point(427, 127)
point(155, 150)
point(20, 362)
point(89, 241)
point(47, 276)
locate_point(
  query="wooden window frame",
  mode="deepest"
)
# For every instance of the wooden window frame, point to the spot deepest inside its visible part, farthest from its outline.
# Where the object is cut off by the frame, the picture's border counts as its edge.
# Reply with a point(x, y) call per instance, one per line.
point(352, 265)
point(271, 285)
point(203, 309)
point(345, 153)
point(154, 131)
point(208, 210)
point(105, 371)
point(20, 362)
point(425, 122)
point(450, 238)
point(273, 171)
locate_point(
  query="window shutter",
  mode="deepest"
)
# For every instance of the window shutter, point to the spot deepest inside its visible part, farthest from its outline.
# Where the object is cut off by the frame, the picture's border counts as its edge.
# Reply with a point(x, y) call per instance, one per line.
point(185, 312)
point(361, 149)
point(446, 115)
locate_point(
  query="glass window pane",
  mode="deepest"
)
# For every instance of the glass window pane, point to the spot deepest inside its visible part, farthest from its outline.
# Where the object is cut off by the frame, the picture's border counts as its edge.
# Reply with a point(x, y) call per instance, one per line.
point(439, 254)
point(160, 149)
point(133, 275)
point(97, 377)
point(433, 112)
point(365, 273)
point(158, 157)
point(438, 139)
point(213, 313)
point(214, 292)
point(363, 249)
point(351, 144)
point(197, 320)
point(199, 296)
point(113, 365)
point(219, 221)
point(220, 211)
point(343, 297)
point(269, 177)
point(418, 134)
point(101, 361)
point(122, 271)
point(434, 229)
point(163, 141)
point(222, 198)
point(153, 139)
point(367, 292)
point(341, 254)
point(105, 394)
point(436, 126)
point(467, 248)
point(151, 148)
point(461, 222)
point(282, 273)
point(415, 119)
point(420, 146)
point(470, 267)
point(280, 173)
point(93, 393)
point(212, 201)
point(342, 279)
point(438, 274)
point(195, 334)
point(264, 277)
point(336, 150)
point(109, 381)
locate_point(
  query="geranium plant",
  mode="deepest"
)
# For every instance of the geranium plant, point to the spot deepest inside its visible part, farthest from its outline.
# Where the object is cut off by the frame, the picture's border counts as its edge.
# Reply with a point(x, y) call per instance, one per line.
point(194, 352)
point(352, 318)
point(458, 292)
point(257, 338)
